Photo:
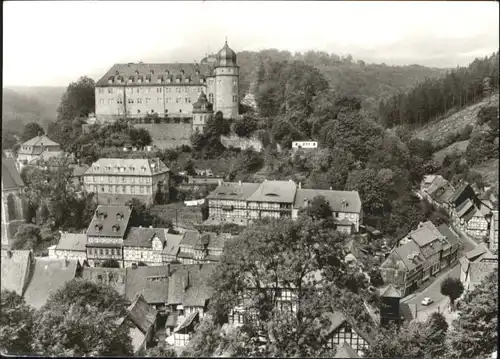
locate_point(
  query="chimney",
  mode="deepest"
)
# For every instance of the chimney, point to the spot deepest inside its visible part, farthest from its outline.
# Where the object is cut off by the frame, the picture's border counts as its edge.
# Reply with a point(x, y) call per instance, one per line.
point(239, 183)
point(300, 185)
point(219, 182)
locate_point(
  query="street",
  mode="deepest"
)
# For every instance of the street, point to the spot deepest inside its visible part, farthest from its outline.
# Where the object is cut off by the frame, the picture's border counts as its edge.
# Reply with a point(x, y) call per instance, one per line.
point(433, 291)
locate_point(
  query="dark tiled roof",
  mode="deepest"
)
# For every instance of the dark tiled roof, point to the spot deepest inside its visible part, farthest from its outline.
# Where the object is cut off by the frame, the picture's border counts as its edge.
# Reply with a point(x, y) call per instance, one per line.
point(114, 277)
point(334, 198)
point(391, 292)
point(346, 351)
point(476, 252)
point(110, 220)
point(49, 275)
point(274, 191)
point(15, 270)
point(173, 244)
point(458, 192)
point(130, 166)
point(72, 242)
point(141, 314)
point(198, 290)
point(452, 238)
point(464, 207)
point(171, 321)
point(11, 179)
point(234, 191)
point(190, 239)
point(127, 71)
point(39, 141)
point(143, 237)
point(212, 240)
point(471, 213)
point(140, 281)
point(188, 321)
point(406, 250)
point(425, 234)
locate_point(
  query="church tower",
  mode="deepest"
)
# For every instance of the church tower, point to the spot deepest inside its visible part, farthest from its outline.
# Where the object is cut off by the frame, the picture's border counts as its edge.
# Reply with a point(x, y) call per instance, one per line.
point(226, 83)
point(202, 112)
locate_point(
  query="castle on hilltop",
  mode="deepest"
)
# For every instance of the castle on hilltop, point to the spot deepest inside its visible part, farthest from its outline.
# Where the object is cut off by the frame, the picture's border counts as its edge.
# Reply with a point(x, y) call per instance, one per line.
point(186, 93)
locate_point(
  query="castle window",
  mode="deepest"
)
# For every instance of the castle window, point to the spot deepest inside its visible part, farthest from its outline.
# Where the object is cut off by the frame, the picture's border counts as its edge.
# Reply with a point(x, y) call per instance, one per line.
point(158, 100)
point(178, 99)
point(219, 82)
point(168, 89)
point(110, 101)
point(101, 90)
point(177, 89)
point(235, 98)
point(101, 101)
point(186, 89)
point(158, 90)
point(130, 100)
point(119, 101)
point(139, 100)
point(211, 97)
point(148, 100)
point(178, 80)
point(168, 80)
point(148, 90)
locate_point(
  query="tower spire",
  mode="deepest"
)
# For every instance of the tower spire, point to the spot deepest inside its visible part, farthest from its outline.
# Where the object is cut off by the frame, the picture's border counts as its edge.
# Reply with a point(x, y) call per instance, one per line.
point(226, 40)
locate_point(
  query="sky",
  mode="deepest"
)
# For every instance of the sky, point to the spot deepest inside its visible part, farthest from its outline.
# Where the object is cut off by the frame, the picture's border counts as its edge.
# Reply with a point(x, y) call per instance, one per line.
point(53, 43)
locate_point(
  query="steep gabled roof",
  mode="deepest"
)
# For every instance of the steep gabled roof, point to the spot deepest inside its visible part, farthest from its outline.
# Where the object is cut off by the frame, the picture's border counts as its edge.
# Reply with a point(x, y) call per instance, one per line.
point(151, 282)
point(143, 237)
point(334, 198)
point(11, 179)
point(16, 267)
point(127, 166)
point(234, 191)
point(141, 314)
point(42, 140)
point(49, 275)
point(72, 242)
point(110, 219)
point(391, 292)
point(173, 243)
point(275, 191)
point(196, 277)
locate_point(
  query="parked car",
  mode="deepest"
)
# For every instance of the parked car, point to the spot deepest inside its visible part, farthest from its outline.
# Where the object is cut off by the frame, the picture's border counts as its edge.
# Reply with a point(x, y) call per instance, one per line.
point(427, 301)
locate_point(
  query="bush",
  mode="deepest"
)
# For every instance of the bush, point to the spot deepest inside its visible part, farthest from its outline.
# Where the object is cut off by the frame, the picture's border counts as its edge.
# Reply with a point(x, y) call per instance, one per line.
point(466, 132)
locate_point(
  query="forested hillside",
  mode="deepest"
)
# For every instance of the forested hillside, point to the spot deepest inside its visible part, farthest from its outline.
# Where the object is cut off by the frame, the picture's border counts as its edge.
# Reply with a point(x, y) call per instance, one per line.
point(22, 105)
point(368, 82)
point(433, 98)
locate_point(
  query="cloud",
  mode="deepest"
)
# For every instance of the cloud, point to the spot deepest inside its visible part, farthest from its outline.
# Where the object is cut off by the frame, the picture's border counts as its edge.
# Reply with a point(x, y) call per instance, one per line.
point(76, 38)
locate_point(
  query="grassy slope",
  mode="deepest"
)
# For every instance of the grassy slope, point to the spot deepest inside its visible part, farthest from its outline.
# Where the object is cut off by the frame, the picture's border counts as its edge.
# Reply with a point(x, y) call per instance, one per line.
point(438, 130)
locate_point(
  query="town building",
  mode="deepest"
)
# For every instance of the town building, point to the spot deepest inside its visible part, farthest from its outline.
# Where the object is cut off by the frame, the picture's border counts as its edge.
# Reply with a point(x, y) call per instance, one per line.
point(151, 282)
point(135, 90)
point(38, 149)
point(437, 190)
point(343, 330)
point(114, 277)
point(118, 180)
point(78, 177)
point(106, 233)
point(304, 145)
point(493, 242)
point(144, 246)
point(423, 253)
point(473, 218)
point(243, 202)
point(16, 270)
point(202, 112)
point(189, 293)
point(476, 265)
point(141, 320)
point(71, 246)
point(13, 202)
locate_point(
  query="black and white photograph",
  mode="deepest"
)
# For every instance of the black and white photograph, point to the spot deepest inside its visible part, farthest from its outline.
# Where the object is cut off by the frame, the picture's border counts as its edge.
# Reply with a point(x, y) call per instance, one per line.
point(314, 179)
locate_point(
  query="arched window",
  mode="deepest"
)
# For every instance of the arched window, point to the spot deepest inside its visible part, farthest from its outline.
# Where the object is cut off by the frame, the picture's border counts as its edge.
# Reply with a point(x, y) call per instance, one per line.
point(11, 207)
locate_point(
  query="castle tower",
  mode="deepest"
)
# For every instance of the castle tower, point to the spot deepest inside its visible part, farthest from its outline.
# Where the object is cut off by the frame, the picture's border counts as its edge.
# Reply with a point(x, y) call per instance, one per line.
point(226, 83)
point(389, 306)
point(202, 112)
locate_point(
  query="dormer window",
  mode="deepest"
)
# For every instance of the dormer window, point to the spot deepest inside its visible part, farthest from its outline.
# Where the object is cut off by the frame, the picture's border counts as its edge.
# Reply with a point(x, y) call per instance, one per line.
point(98, 227)
point(130, 79)
point(203, 81)
point(116, 227)
point(182, 72)
point(110, 80)
point(178, 80)
point(152, 72)
point(167, 72)
point(139, 80)
point(186, 80)
point(136, 72)
point(197, 72)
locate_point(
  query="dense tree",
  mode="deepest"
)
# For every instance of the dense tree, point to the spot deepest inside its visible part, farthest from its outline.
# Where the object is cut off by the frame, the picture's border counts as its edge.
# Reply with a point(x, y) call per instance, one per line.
point(111, 263)
point(474, 334)
point(288, 254)
point(452, 288)
point(434, 97)
point(319, 208)
point(82, 318)
point(16, 322)
point(142, 216)
point(78, 100)
point(31, 130)
point(161, 350)
point(246, 126)
point(9, 139)
point(27, 237)
point(249, 161)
